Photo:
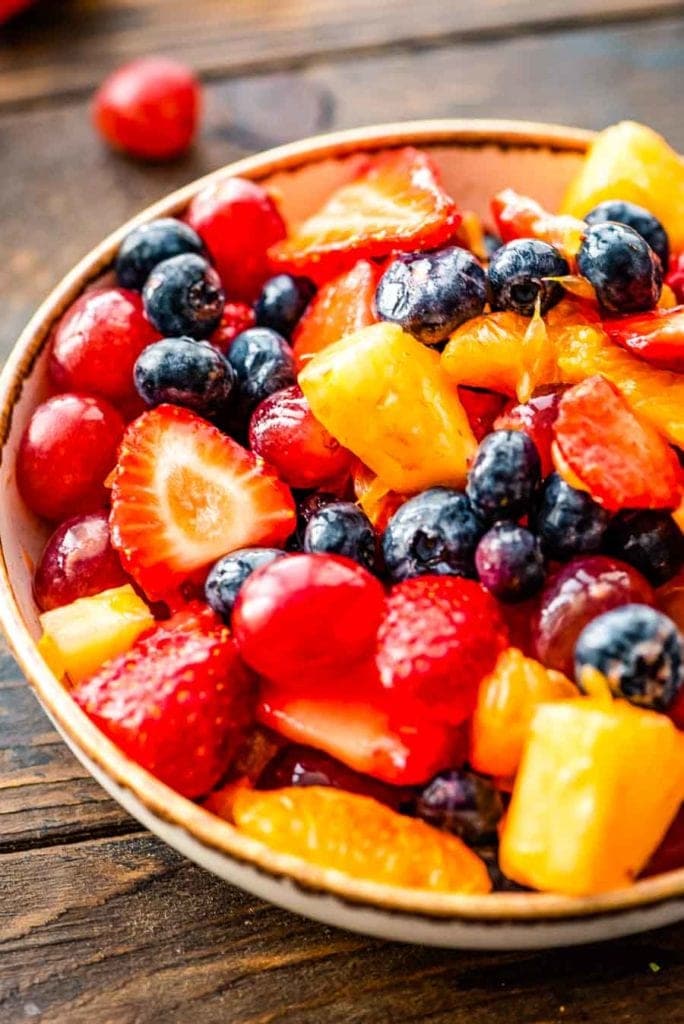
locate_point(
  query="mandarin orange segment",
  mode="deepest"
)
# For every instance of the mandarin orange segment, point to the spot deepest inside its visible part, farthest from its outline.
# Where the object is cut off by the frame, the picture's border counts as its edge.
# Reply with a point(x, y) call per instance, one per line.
point(622, 461)
point(359, 837)
point(506, 702)
point(502, 352)
point(377, 500)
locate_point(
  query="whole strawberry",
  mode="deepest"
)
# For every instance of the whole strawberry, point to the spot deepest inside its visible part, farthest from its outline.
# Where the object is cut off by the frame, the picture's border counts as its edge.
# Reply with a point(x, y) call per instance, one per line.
point(439, 637)
point(177, 703)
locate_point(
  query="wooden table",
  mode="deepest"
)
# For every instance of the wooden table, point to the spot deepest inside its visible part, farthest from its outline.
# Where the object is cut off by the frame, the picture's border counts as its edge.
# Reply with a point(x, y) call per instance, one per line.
point(99, 922)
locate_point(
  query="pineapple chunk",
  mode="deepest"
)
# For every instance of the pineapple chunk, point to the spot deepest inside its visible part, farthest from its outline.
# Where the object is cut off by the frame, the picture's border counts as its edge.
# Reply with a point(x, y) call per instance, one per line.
point(598, 786)
point(630, 161)
point(385, 396)
point(81, 636)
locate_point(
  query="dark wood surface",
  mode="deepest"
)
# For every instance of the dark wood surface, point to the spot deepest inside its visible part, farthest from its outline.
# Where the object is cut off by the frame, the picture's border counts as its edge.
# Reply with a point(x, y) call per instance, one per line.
point(99, 922)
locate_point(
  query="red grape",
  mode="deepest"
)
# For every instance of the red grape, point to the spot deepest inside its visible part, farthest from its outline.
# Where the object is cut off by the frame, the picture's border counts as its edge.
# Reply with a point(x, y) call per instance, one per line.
point(97, 343)
point(237, 220)
point(149, 108)
point(536, 418)
point(307, 616)
point(66, 453)
point(576, 594)
point(284, 432)
point(77, 561)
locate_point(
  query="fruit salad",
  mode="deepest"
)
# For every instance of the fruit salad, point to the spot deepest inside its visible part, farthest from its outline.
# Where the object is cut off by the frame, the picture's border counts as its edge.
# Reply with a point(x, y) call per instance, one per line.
point(368, 529)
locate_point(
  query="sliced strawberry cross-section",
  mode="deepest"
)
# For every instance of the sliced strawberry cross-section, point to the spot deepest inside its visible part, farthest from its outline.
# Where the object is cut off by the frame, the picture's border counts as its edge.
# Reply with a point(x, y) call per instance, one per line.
point(601, 446)
point(342, 306)
point(183, 494)
point(656, 337)
point(354, 720)
point(397, 203)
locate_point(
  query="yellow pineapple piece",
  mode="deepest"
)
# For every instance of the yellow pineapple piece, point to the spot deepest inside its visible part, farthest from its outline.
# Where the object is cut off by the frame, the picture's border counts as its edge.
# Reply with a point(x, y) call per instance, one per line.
point(81, 636)
point(585, 815)
point(656, 396)
point(630, 161)
point(385, 396)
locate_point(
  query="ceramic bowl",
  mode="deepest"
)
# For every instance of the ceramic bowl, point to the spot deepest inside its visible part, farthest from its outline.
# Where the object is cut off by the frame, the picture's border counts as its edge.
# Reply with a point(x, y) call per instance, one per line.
point(476, 158)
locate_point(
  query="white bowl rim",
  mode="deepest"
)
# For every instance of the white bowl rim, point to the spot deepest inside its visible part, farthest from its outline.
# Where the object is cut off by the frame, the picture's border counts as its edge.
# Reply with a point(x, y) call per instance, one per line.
point(158, 799)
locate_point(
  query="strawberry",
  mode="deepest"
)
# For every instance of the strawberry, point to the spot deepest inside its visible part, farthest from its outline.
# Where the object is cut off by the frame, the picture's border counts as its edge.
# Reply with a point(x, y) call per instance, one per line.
point(183, 494)
point(342, 306)
point(602, 446)
point(675, 276)
point(396, 203)
point(236, 318)
point(482, 408)
point(352, 719)
point(440, 636)
point(517, 216)
point(177, 702)
point(656, 337)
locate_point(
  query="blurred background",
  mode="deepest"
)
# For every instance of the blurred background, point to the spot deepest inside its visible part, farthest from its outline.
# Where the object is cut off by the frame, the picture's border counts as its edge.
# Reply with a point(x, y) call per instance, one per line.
point(277, 70)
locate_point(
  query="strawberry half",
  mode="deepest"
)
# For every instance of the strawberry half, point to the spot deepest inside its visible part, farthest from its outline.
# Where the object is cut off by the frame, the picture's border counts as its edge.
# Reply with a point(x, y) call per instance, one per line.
point(440, 636)
point(354, 720)
point(517, 216)
point(397, 203)
point(656, 337)
point(340, 307)
point(601, 446)
point(178, 703)
point(183, 494)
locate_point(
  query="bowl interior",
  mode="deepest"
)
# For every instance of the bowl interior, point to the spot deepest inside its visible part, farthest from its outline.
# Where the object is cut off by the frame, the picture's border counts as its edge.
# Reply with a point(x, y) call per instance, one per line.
point(476, 159)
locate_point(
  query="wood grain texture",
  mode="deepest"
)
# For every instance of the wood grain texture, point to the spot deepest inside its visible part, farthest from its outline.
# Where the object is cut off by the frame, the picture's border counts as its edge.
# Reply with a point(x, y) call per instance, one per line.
point(62, 191)
point(152, 938)
point(64, 47)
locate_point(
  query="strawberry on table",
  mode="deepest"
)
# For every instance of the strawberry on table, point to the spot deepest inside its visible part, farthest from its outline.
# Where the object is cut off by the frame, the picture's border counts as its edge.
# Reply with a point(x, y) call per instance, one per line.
point(183, 494)
point(603, 447)
point(177, 703)
point(656, 337)
point(397, 203)
point(342, 306)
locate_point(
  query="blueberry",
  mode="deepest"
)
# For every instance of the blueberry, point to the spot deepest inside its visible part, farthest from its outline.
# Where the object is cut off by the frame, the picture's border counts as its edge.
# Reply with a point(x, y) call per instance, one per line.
point(639, 650)
point(183, 295)
point(282, 301)
point(509, 562)
point(492, 243)
point(568, 522)
point(308, 504)
point(430, 294)
point(150, 244)
point(639, 219)
point(226, 577)
point(184, 372)
point(263, 364)
point(625, 272)
point(648, 539)
point(435, 532)
point(463, 803)
point(517, 273)
point(505, 476)
point(342, 528)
